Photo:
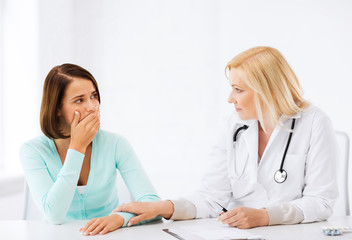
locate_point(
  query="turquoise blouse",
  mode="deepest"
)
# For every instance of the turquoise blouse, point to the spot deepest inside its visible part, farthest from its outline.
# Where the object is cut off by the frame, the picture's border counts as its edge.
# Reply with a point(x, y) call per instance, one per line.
point(54, 186)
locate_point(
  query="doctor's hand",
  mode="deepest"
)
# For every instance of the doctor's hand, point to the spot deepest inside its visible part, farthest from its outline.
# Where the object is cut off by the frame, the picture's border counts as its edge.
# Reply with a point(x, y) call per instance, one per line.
point(244, 217)
point(146, 210)
point(103, 225)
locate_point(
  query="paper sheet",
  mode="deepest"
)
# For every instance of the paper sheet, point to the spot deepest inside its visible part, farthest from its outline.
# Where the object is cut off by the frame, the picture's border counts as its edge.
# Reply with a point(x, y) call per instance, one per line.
point(213, 232)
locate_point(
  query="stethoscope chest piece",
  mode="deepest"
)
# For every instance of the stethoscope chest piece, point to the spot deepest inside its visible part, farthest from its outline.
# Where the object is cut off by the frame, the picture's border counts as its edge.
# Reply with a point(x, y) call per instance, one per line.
point(280, 176)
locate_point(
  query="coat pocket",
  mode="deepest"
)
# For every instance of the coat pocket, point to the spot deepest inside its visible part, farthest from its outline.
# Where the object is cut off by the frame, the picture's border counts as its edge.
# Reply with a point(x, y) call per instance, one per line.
point(242, 187)
point(294, 165)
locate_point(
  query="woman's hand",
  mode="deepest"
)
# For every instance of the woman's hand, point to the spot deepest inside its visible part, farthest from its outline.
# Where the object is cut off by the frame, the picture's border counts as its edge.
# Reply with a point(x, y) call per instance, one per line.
point(103, 225)
point(146, 210)
point(83, 132)
point(243, 217)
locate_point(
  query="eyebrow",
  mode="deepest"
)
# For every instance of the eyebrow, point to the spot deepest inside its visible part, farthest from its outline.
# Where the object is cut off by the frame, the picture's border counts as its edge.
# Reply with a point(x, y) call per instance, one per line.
point(79, 96)
point(82, 95)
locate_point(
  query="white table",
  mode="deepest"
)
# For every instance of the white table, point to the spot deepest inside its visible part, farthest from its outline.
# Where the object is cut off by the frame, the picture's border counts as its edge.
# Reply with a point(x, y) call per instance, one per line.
point(36, 230)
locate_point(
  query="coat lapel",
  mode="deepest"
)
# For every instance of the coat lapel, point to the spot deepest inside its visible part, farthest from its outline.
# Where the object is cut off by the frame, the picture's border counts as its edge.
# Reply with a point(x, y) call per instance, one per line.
point(247, 148)
point(283, 128)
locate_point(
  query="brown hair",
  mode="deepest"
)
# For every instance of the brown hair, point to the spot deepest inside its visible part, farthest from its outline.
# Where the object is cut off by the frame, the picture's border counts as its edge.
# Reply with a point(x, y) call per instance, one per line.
point(54, 89)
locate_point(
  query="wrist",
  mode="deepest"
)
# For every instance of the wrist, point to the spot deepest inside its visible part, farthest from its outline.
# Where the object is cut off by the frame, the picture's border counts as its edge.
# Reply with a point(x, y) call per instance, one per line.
point(165, 209)
point(119, 220)
point(264, 219)
point(77, 148)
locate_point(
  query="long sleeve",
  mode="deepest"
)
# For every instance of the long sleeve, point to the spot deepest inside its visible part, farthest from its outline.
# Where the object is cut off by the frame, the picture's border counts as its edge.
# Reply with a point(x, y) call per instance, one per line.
point(285, 213)
point(320, 191)
point(319, 188)
point(52, 196)
point(183, 209)
point(134, 176)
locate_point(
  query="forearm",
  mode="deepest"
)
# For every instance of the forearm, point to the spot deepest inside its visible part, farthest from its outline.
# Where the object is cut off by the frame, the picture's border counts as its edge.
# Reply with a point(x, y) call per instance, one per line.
point(55, 198)
point(180, 209)
point(284, 213)
point(58, 199)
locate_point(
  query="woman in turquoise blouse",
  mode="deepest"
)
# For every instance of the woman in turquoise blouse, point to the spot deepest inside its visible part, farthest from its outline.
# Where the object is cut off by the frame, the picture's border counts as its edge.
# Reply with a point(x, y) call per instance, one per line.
point(71, 170)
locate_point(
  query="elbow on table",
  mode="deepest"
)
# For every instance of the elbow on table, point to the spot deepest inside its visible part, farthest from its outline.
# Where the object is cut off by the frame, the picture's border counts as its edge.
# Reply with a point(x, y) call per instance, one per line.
point(55, 218)
point(321, 213)
point(53, 213)
point(324, 215)
point(327, 209)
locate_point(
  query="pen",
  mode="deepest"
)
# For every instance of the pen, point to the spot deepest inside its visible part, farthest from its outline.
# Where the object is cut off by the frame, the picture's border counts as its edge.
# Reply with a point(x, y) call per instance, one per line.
point(223, 209)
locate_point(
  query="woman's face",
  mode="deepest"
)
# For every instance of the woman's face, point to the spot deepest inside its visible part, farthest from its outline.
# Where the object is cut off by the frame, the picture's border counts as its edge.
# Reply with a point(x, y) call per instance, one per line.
point(80, 96)
point(241, 96)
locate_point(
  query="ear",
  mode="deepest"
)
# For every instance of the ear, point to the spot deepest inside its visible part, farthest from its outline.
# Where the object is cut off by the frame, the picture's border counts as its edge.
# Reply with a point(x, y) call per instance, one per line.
point(59, 113)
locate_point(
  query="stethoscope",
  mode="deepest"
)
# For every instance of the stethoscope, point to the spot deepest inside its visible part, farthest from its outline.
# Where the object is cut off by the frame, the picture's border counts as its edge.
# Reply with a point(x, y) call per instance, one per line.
point(280, 175)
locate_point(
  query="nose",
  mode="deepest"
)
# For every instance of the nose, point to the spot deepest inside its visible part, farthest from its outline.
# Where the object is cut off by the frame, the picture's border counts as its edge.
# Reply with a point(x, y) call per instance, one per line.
point(231, 98)
point(92, 106)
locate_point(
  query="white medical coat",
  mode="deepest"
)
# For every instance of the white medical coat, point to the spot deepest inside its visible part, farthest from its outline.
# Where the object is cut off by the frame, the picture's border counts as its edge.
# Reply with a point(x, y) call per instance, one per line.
point(236, 179)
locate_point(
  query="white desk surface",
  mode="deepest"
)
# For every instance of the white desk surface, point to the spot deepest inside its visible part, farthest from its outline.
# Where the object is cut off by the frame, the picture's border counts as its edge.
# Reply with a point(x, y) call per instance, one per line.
point(36, 230)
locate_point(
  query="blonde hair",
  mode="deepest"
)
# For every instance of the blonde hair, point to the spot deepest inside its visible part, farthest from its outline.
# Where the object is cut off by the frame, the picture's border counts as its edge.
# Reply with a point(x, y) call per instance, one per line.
point(275, 85)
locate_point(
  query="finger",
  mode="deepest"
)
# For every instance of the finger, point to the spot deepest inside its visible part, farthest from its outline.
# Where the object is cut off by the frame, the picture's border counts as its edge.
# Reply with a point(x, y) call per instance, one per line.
point(87, 119)
point(235, 224)
point(124, 208)
point(98, 228)
point(224, 217)
point(91, 116)
point(137, 219)
point(87, 225)
point(90, 121)
point(76, 118)
point(233, 221)
point(105, 230)
point(120, 208)
point(96, 125)
point(243, 226)
point(117, 209)
point(92, 227)
point(93, 124)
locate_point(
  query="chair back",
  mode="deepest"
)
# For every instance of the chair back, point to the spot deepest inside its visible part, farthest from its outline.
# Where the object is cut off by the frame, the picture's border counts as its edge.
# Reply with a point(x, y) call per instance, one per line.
point(30, 210)
point(122, 190)
point(342, 205)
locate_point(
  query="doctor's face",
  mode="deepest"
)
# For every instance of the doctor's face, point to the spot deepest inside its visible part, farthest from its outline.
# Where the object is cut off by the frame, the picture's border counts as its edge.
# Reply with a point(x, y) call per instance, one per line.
point(241, 96)
point(81, 96)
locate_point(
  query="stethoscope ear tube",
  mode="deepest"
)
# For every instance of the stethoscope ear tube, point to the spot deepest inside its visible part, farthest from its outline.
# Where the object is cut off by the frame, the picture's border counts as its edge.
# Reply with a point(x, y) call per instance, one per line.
point(244, 127)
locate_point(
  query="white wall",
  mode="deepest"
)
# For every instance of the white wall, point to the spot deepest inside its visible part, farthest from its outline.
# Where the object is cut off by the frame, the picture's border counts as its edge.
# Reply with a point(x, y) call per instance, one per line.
point(1, 84)
point(160, 67)
point(19, 96)
point(20, 86)
point(11, 196)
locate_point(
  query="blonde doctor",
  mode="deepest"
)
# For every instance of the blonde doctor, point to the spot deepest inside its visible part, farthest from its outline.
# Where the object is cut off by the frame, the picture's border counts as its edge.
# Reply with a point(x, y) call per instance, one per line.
point(274, 161)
